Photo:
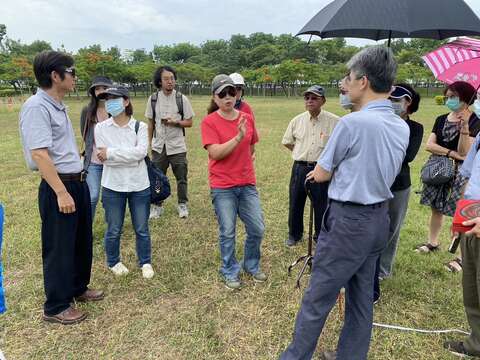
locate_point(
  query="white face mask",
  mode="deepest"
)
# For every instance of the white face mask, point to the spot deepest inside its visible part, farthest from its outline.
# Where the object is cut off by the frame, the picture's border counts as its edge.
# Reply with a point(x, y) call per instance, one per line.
point(345, 101)
point(476, 107)
point(399, 107)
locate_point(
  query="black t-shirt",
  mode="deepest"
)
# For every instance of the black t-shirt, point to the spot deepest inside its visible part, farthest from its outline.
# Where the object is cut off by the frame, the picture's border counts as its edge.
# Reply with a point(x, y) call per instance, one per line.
point(403, 181)
point(473, 125)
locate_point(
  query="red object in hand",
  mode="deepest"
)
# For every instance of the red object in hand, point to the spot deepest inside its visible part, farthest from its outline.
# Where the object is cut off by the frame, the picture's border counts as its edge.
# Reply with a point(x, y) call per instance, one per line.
point(466, 210)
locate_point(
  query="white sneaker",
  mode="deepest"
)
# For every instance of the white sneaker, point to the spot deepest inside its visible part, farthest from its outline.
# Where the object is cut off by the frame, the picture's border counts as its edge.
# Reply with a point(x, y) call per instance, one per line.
point(147, 271)
point(182, 210)
point(155, 211)
point(119, 269)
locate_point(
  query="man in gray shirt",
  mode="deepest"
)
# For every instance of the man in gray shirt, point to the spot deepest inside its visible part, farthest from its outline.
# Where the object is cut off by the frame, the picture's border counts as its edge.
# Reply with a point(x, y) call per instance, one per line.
point(361, 160)
point(64, 201)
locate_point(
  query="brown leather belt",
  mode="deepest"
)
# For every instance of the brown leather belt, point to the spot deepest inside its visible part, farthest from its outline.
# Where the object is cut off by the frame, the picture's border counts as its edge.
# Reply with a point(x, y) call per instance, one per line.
point(81, 176)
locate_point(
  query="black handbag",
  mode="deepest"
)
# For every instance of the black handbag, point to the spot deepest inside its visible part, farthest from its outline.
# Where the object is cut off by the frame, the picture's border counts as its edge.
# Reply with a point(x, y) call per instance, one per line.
point(438, 170)
point(159, 184)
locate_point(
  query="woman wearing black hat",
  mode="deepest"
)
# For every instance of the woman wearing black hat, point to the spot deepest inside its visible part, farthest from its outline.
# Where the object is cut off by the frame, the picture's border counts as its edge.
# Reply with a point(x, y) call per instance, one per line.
point(122, 146)
point(92, 114)
point(405, 101)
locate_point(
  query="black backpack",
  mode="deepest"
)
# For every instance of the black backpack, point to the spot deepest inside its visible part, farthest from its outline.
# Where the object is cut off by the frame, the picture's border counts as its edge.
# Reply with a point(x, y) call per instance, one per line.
point(178, 100)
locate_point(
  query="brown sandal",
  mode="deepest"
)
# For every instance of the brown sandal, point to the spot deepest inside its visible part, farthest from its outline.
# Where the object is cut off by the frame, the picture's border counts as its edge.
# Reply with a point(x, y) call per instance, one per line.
point(454, 265)
point(426, 248)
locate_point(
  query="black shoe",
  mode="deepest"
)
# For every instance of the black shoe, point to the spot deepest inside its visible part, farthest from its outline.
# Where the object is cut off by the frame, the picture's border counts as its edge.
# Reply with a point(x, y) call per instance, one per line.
point(290, 242)
point(457, 348)
point(329, 355)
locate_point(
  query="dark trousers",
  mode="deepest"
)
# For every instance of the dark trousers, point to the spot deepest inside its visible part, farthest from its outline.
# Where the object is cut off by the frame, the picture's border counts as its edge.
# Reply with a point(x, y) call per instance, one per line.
point(298, 196)
point(348, 247)
point(66, 246)
point(179, 165)
point(470, 246)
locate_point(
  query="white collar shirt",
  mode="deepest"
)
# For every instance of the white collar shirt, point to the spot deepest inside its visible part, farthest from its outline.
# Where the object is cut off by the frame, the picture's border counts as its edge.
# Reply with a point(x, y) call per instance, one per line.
point(125, 169)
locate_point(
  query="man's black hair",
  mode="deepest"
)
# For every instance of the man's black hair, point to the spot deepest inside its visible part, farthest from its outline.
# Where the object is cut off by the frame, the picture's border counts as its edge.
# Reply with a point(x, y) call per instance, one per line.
point(48, 61)
point(157, 77)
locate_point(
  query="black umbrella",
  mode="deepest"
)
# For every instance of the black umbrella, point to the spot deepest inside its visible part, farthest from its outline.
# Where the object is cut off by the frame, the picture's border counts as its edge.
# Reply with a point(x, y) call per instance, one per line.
point(387, 19)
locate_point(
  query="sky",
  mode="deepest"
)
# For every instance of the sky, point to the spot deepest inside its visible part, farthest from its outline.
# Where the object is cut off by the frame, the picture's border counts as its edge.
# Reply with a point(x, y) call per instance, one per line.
point(135, 24)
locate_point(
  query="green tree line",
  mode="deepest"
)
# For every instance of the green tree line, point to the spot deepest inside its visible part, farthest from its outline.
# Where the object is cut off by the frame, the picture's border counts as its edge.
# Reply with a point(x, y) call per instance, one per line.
point(266, 61)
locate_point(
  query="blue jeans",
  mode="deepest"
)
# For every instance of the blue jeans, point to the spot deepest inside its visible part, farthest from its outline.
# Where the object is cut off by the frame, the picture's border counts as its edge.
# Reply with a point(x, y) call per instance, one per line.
point(94, 179)
point(114, 203)
point(244, 202)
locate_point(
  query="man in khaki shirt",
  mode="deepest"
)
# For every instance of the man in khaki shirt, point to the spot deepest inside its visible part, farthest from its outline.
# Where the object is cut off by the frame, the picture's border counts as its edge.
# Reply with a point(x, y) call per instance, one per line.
point(306, 136)
point(166, 133)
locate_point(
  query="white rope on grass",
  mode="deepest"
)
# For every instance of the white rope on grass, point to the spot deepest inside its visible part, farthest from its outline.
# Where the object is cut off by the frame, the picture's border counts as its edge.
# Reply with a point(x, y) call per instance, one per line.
point(401, 328)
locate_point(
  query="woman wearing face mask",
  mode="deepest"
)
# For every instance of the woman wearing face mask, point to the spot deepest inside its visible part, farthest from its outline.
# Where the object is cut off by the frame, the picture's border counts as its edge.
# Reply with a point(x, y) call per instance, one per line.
point(240, 103)
point(476, 105)
point(92, 114)
point(452, 135)
point(344, 98)
point(229, 136)
point(122, 143)
point(405, 101)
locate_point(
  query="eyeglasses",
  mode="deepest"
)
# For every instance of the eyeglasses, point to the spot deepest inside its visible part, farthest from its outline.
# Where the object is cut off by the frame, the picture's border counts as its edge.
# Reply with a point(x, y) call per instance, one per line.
point(229, 90)
point(311, 97)
point(70, 70)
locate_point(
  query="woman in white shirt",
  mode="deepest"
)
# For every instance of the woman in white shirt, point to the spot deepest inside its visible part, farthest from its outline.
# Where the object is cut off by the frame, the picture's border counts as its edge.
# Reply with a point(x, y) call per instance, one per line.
point(122, 146)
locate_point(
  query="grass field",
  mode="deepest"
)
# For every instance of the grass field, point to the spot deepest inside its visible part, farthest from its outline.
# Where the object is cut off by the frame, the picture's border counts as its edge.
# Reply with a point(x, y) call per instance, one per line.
point(185, 312)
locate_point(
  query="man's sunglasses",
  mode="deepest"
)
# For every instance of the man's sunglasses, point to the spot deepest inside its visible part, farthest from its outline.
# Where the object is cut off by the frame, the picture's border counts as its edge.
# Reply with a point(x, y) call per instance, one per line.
point(70, 70)
point(229, 90)
point(311, 97)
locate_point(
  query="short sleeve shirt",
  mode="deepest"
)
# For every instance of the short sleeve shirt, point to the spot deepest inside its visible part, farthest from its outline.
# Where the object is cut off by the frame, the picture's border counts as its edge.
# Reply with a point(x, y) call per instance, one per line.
point(471, 170)
point(309, 135)
point(246, 108)
point(473, 124)
point(365, 153)
point(237, 168)
point(169, 136)
point(44, 124)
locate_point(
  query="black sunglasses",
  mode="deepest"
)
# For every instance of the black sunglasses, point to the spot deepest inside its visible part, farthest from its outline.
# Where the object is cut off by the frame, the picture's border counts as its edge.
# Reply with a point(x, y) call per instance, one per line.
point(70, 70)
point(229, 90)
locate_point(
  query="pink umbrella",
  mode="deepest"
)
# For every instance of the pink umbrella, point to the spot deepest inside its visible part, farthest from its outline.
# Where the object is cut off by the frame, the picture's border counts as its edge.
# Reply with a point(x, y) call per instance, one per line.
point(458, 60)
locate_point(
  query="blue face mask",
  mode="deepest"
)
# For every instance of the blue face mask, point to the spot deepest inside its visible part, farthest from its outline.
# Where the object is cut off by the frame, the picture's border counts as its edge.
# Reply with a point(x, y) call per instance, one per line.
point(114, 106)
point(453, 103)
point(345, 101)
point(476, 108)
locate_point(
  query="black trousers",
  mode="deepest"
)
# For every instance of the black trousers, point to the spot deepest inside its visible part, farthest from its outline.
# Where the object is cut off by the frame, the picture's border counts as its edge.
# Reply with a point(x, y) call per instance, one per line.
point(298, 196)
point(66, 246)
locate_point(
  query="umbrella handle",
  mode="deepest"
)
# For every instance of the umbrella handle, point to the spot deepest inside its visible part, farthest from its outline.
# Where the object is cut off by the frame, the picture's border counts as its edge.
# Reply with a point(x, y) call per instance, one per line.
point(307, 185)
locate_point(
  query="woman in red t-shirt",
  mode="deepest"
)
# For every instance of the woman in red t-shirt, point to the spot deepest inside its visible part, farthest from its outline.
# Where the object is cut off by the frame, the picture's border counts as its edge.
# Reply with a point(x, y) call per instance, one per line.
point(229, 136)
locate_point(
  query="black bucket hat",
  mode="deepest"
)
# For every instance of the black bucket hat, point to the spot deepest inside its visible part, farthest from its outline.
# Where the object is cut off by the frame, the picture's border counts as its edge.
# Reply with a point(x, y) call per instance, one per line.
point(99, 81)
